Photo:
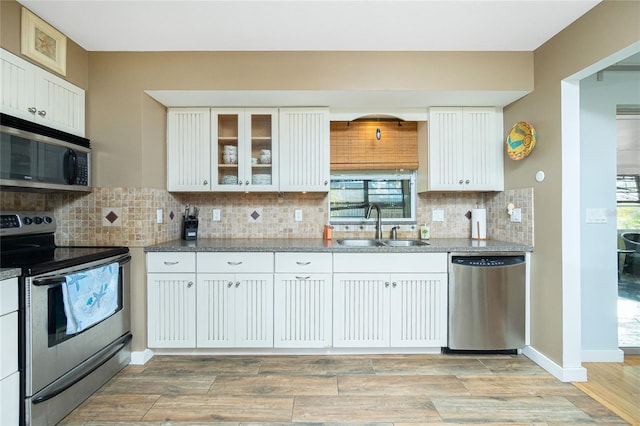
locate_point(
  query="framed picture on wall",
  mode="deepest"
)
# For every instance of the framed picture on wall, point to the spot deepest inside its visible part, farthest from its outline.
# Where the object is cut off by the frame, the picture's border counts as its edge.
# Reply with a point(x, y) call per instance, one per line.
point(43, 43)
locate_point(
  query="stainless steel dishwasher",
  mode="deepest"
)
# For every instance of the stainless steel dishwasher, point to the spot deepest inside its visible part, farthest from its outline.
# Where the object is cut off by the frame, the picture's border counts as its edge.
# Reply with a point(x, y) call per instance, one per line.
point(487, 301)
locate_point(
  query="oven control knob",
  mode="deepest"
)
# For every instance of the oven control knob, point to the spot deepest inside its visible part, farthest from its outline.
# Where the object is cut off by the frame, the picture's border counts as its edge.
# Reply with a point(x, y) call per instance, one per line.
point(27, 220)
point(47, 219)
point(37, 220)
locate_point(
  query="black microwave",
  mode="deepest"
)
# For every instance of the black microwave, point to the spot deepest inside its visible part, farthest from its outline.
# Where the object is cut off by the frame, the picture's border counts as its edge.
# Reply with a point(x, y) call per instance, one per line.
point(36, 157)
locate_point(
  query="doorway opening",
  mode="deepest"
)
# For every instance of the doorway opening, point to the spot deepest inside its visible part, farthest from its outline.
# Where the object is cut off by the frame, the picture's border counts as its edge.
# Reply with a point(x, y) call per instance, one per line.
point(628, 227)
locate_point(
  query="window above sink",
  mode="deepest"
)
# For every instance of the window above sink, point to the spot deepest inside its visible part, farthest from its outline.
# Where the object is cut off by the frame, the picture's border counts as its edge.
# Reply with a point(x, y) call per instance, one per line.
point(351, 193)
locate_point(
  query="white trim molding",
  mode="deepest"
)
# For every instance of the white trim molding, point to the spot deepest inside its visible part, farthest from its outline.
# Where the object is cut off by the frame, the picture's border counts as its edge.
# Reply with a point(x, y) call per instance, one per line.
point(141, 357)
point(571, 374)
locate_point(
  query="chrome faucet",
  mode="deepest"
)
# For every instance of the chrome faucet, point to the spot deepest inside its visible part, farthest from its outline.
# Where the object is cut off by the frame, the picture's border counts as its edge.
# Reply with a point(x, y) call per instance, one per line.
point(379, 223)
point(394, 232)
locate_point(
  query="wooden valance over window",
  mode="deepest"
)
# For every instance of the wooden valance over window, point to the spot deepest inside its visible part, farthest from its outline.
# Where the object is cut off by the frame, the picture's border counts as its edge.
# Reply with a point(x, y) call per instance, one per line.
point(354, 145)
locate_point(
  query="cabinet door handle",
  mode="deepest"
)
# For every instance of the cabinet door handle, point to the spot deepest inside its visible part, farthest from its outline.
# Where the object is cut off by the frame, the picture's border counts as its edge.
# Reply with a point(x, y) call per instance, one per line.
point(386, 284)
point(237, 284)
point(303, 263)
point(32, 110)
point(42, 113)
point(190, 284)
point(303, 278)
point(230, 284)
point(171, 263)
point(234, 263)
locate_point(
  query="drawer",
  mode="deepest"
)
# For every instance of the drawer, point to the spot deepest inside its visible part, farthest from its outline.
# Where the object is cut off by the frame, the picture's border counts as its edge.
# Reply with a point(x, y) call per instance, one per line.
point(171, 262)
point(390, 262)
point(304, 262)
point(232, 262)
point(8, 295)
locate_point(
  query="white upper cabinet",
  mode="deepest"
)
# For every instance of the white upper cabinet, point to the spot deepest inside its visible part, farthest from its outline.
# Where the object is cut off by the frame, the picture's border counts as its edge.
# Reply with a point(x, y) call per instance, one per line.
point(189, 149)
point(464, 150)
point(33, 94)
point(304, 149)
point(245, 149)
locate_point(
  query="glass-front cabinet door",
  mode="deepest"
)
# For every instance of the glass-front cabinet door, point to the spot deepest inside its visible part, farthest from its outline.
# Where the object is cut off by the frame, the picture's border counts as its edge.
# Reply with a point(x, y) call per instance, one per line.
point(245, 149)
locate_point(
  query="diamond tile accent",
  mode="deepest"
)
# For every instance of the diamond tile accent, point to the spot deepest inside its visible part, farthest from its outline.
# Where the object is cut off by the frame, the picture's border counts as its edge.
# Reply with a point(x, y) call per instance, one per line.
point(111, 217)
point(255, 215)
point(171, 215)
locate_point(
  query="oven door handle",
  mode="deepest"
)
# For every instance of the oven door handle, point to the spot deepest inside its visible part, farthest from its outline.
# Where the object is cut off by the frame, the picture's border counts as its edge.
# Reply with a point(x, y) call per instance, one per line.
point(60, 279)
point(65, 382)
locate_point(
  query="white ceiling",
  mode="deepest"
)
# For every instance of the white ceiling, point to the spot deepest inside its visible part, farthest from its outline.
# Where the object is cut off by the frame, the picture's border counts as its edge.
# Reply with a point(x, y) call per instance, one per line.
point(290, 25)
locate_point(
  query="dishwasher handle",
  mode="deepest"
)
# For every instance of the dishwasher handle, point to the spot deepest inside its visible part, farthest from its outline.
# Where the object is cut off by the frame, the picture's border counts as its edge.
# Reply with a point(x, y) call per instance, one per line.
point(487, 261)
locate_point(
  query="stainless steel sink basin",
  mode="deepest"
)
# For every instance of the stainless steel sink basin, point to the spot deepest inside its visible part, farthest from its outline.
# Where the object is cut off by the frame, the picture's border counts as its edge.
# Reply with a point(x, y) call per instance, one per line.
point(381, 243)
point(361, 243)
point(405, 243)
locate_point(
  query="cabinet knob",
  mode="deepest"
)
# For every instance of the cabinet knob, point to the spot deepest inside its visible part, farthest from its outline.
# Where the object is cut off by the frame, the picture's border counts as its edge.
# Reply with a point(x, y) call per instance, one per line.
point(395, 284)
point(32, 110)
point(326, 183)
point(190, 284)
point(206, 182)
point(460, 181)
point(230, 284)
point(246, 182)
point(467, 181)
point(386, 284)
point(239, 182)
point(237, 284)
point(42, 113)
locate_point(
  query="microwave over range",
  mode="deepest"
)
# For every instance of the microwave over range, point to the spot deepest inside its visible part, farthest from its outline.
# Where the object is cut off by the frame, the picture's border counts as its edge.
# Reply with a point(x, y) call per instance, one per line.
point(36, 157)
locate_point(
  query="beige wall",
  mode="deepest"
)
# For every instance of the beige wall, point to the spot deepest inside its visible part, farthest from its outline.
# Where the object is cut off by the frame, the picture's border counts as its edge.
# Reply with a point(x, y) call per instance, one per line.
point(608, 28)
point(77, 57)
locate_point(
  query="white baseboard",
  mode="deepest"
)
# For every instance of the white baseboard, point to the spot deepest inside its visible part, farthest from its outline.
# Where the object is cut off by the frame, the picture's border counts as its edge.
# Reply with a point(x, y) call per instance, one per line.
point(613, 355)
point(141, 357)
point(573, 374)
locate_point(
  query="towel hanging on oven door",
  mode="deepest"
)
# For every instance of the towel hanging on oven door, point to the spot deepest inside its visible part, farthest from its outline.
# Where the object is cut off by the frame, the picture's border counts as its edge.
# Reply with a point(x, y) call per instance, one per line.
point(90, 296)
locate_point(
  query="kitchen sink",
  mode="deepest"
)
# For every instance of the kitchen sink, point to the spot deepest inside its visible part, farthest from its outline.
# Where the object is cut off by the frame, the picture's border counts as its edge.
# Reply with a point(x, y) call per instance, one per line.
point(405, 243)
point(361, 243)
point(381, 243)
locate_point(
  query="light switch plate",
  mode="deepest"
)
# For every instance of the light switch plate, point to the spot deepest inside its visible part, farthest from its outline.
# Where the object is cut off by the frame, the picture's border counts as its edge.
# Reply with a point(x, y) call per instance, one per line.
point(159, 216)
point(216, 215)
point(516, 215)
point(437, 215)
point(298, 215)
point(596, 215)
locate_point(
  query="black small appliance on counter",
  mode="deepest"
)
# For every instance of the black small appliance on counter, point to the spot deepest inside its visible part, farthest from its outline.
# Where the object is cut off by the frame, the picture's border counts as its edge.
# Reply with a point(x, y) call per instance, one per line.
point(190, 224)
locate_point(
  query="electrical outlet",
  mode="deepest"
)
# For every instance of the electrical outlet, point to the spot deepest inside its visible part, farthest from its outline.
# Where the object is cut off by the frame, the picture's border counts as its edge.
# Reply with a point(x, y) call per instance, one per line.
point(437, 215)
point(516, 215)
point(216, 215)
point(159, 216)
point(298, 215)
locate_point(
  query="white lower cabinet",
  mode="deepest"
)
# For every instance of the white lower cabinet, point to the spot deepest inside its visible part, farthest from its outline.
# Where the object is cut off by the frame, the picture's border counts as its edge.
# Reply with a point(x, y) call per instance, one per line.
point(302, 300)
point(235, 300)
point(171, 300)
point(386, 307)
point(235, 310)
point(171, 310)
point(9, 374)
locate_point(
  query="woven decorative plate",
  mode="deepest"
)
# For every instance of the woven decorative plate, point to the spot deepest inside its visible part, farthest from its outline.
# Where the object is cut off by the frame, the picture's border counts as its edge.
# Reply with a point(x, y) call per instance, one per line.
point(521, 140)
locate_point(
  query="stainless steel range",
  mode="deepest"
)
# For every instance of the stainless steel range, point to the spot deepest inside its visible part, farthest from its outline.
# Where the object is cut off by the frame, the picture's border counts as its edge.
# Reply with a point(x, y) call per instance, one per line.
point(74, 327)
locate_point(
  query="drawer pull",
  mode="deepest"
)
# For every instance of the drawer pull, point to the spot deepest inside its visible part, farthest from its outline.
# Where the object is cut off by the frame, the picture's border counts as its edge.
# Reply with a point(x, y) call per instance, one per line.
point(303, 278)
point(303, 263)
point(234, 263)
point(171, 263)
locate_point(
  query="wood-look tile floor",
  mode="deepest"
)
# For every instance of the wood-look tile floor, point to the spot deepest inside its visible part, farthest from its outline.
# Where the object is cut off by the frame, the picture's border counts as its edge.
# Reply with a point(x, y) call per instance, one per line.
point(380, 389)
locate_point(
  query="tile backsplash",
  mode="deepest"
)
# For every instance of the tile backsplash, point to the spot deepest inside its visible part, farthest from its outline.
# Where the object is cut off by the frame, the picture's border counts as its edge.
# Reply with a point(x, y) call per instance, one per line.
point(127, 216)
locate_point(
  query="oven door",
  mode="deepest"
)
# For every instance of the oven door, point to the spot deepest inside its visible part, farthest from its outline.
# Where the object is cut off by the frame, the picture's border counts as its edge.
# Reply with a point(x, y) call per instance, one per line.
point(50, 352)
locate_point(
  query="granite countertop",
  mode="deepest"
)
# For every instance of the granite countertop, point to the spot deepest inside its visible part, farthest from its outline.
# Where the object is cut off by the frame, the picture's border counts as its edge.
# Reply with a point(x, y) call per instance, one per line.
point(6, 273)
point(436, 245)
